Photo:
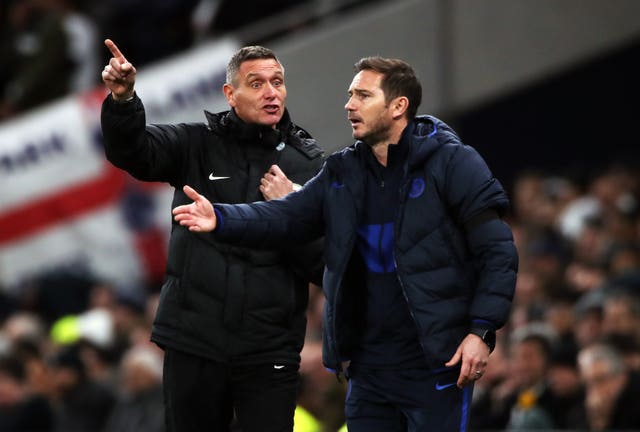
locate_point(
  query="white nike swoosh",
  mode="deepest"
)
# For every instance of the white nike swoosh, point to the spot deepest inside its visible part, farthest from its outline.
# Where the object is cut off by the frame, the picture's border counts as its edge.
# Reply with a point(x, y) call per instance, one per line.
point(212, 177)
point(278, 366)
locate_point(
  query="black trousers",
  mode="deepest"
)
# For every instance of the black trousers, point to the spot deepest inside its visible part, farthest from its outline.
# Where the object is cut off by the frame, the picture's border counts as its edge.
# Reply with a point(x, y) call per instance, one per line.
point(202, 395)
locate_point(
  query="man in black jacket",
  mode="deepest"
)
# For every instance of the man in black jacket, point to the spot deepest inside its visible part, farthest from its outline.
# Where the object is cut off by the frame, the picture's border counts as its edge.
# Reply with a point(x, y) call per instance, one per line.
point(231, 319)
point(420, 268)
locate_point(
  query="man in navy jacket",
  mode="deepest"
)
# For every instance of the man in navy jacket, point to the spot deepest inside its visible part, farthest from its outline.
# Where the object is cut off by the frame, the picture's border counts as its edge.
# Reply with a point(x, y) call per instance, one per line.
point(420, 269)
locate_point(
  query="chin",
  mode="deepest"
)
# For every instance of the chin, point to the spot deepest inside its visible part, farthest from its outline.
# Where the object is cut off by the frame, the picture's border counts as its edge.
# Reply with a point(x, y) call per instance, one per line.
point(273, 119)
point(359, 136)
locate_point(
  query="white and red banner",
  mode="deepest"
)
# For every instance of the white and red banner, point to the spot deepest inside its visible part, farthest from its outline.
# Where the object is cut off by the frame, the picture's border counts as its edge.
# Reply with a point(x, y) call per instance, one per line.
point(63, 204)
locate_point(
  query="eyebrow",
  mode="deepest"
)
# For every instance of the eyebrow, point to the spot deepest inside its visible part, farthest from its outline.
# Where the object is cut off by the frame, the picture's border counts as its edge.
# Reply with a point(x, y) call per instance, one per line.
point(359, 91)
point(251, 75)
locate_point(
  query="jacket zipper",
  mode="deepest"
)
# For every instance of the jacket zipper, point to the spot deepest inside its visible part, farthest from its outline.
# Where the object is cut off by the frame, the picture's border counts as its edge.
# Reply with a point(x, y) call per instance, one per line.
point(395, 261)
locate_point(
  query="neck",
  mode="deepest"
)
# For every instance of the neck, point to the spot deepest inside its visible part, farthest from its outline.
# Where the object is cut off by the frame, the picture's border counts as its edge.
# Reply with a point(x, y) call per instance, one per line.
point(381, 148)
point(381, 152)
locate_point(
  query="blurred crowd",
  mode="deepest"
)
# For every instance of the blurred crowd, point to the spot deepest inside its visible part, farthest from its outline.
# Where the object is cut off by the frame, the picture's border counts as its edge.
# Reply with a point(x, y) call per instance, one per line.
point(75, 351)
point(569, 357)
point(50, 48)
point(75, 355)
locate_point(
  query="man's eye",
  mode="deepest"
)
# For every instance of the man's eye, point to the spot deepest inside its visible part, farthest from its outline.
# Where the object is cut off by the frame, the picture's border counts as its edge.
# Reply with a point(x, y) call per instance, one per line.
point(255, 85)
point(277, 83)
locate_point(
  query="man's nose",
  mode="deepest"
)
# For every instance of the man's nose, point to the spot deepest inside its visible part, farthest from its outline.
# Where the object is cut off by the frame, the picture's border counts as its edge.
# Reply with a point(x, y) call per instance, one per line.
point(349, 106)
point(269, 91)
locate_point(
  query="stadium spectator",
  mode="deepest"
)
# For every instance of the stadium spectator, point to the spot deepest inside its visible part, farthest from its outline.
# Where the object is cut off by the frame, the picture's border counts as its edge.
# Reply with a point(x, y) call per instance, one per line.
point(563, 378)
point(80, 403)
point(532, 403)
point(34, 60)
point(82, 45)
point(621, 312)
point(20, 408)
point(139, 407)
point(612, 391)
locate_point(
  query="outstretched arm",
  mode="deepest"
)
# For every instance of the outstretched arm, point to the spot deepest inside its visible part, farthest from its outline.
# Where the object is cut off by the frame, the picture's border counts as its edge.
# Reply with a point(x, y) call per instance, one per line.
point(198, 216)
point(119, 75)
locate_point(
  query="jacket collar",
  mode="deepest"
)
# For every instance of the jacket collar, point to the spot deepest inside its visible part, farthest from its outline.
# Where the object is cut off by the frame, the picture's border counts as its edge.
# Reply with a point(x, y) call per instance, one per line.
point(424, 136)
point(228, 122)
point(428, 135)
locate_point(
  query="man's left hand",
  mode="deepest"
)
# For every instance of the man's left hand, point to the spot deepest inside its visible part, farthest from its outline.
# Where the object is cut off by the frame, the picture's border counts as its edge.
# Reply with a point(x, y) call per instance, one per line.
point(275, 184)
point(474, 354)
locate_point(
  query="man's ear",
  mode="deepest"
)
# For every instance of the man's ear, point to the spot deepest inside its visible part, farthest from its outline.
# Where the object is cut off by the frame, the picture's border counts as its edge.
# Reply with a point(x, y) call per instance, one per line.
point(399, 106)
point(228, 91)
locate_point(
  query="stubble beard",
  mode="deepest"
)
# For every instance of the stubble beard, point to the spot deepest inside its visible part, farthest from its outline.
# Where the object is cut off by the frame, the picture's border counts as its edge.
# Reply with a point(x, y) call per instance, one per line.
point(378, 134)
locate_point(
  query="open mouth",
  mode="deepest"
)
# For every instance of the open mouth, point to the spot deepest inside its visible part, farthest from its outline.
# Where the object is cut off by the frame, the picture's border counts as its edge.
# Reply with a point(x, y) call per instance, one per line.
point(271, 109)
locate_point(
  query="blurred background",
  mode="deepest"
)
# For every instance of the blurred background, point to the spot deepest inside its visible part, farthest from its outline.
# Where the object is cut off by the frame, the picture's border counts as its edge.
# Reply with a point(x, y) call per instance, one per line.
point(546, 91)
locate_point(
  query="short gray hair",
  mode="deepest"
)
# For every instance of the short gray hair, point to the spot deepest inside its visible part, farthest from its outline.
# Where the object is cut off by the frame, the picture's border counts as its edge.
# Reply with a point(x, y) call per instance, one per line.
point(253, 52)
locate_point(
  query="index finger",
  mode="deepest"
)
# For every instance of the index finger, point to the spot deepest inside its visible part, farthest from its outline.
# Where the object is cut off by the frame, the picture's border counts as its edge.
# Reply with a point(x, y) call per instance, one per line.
point(114, 50)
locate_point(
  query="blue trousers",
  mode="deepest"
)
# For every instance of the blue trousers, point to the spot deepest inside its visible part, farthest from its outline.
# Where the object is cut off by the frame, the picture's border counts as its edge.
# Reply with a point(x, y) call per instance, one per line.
point(406, 400)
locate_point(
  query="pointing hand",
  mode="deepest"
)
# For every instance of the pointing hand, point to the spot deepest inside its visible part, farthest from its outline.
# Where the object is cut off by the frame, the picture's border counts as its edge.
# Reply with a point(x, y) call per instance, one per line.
point(118, 75)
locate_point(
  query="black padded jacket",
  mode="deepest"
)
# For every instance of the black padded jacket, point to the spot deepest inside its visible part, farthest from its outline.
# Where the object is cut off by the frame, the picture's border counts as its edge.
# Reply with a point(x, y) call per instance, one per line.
point(226, 303)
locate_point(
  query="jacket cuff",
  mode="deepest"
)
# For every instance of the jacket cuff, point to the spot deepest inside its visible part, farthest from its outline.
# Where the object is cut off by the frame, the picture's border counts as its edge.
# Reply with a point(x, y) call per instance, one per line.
point(219, 220)
point(483, 324)
point(122, 107)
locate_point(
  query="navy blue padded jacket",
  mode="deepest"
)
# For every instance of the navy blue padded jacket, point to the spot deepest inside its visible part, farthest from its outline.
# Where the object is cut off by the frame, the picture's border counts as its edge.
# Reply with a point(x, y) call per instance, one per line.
point(452, 277)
